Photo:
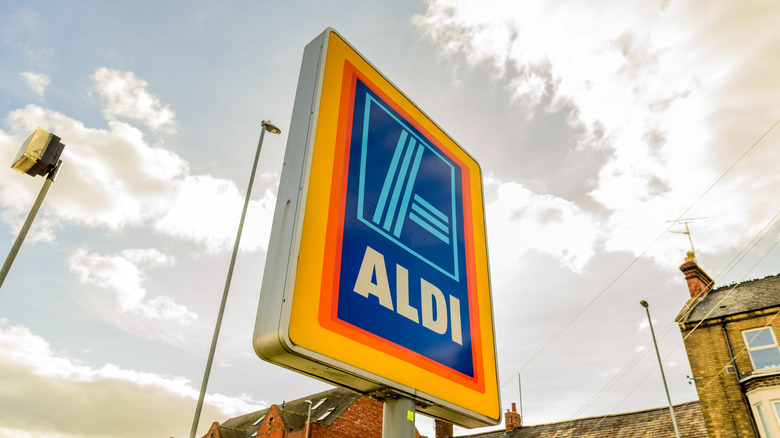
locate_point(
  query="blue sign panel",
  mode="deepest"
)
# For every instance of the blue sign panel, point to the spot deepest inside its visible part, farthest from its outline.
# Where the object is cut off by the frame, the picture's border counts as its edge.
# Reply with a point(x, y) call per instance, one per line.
point(402, 275)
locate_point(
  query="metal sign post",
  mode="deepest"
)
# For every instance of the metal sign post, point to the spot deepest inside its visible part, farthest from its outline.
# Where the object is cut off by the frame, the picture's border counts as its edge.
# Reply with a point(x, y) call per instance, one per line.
point(398, 418)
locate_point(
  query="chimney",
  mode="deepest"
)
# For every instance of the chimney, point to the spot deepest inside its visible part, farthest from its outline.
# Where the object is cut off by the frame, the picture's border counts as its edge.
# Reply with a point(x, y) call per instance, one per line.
point(699, 283)
point(512, 419)
point(443, 429)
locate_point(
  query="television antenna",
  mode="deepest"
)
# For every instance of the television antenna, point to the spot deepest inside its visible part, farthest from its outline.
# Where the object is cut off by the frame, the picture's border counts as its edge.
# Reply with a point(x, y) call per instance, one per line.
point(687, 230)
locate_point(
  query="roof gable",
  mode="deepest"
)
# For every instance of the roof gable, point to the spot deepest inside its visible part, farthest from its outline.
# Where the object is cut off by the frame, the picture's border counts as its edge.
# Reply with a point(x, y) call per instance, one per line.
point(293, 414)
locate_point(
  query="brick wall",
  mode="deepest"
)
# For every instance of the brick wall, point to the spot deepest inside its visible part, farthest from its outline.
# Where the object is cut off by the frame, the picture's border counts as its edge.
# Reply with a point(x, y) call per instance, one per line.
point(722, 403)
point(361, 420)
point(443, 429)
point(272, 426)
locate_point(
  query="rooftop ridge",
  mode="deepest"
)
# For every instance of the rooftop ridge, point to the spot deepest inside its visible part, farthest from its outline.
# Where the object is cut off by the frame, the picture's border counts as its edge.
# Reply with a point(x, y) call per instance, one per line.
point(744, 282)
point(596, 417)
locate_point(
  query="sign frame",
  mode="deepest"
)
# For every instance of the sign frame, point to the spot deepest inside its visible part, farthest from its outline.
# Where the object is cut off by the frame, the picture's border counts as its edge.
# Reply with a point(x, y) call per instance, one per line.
point(292, 327)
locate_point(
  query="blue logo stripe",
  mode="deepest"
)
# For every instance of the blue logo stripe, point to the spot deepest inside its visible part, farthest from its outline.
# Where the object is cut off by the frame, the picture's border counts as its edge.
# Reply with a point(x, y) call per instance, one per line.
point(454, 226)
point(399, 183)
point(384, 217)
point(431, 209)
point(363, 151)
point(380, 207)
point(399, 224)
point(429, 217)
point(429, 228)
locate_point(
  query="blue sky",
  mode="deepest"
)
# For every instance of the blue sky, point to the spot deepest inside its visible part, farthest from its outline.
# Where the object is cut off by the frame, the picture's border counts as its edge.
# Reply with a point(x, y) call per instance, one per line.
point(595, 123)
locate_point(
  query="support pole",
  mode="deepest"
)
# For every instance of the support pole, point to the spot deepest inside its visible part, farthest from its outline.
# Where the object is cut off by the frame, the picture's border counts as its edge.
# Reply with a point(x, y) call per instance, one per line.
point(398, 418)
point(661, 366)
point(228, 279)
point(28, 222)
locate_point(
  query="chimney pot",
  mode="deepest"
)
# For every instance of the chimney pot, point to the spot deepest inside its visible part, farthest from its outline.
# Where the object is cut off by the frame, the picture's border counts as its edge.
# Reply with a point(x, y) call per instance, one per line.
point(699, 283)
point(512, 419)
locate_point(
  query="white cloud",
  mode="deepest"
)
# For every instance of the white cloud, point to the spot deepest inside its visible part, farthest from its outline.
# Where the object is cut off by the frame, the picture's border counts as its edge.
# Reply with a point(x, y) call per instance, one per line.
point(520, 221)
point(126, 95)
point(36, 81)
point(210, 209)
point(46, 394)
point(114, 178)
point(678, 93)
point(110, 178)
point(122, 275)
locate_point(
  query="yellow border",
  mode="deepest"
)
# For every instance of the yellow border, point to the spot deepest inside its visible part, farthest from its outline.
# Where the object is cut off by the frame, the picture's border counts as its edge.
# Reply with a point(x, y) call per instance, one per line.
point(304, 329)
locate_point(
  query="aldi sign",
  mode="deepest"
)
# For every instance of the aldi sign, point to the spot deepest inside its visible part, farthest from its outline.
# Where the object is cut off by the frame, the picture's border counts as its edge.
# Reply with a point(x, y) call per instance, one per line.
point(377, 274)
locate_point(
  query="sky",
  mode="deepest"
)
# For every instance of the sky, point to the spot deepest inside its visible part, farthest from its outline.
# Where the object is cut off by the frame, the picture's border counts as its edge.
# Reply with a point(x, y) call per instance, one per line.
point(597, 124)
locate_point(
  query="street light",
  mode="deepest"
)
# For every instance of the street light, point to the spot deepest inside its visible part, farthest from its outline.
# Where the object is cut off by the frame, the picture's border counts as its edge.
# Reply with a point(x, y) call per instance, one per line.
point(39, 155)
point(660, 365)
point(308, 420)
point(270, 127)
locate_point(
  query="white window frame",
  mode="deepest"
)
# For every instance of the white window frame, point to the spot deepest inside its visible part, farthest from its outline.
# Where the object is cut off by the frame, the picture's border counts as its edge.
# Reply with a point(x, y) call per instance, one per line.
point(747, 335)
point(766, 397)
point(765, 427)
point(776, 409)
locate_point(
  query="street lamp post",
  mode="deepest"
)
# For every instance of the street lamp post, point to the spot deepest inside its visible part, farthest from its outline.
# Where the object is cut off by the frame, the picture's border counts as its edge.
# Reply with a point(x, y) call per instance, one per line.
point(267, 126)
point(660, 365)
point(308, 420)
point(39, 155)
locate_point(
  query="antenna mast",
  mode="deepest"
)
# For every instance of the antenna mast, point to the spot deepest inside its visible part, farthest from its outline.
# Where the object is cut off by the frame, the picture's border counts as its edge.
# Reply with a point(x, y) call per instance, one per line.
point(687, 231)
point(520, 393)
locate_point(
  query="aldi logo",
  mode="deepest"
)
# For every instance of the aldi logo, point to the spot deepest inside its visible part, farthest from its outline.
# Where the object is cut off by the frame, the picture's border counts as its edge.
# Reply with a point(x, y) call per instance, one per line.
point(400, 276)
point(427, 203)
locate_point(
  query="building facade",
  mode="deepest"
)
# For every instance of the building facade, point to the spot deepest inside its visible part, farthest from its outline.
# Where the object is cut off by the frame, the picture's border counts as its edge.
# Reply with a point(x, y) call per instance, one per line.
point(336, 413)
point(730, 335)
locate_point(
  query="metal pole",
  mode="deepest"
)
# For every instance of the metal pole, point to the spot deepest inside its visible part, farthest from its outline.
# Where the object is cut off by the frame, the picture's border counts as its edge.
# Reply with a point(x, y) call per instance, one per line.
point(227, 288)
point(660, 365)
point(308, 420)
point(520, 393)
point(28, 222)
point(398, 418)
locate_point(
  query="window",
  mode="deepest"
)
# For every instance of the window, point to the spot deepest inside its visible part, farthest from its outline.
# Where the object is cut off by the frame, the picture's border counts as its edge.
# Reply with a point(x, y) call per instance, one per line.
point(762, 346)
point(776, 406)
point(325, 415)
point(765, 404)
point(766, 428)
point(319, 403)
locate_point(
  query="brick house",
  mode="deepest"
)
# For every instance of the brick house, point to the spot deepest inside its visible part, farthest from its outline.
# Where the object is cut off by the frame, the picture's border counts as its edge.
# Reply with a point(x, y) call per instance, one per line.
point(336, 413)
point(730, 335)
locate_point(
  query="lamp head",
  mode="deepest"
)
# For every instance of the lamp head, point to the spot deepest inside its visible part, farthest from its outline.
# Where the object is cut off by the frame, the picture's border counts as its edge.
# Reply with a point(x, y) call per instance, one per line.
point(39, 153)
point(270, 127)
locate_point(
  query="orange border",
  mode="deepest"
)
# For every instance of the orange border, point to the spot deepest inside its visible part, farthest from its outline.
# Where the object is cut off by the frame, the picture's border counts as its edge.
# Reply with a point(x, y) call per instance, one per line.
point(328, 310)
